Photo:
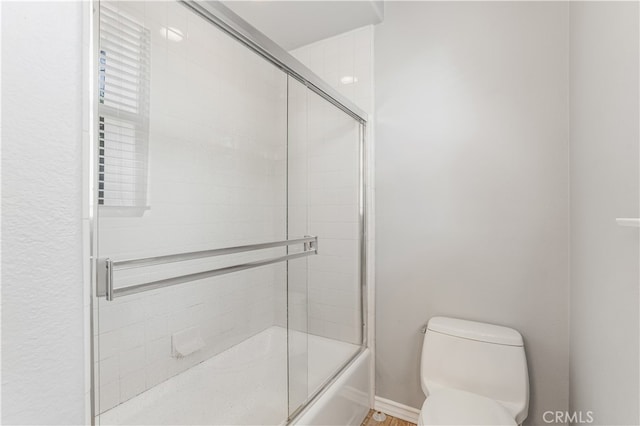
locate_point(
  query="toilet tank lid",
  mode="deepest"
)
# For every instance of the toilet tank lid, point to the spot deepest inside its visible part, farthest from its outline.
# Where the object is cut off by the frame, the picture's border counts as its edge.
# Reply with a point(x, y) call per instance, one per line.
point(475, 331)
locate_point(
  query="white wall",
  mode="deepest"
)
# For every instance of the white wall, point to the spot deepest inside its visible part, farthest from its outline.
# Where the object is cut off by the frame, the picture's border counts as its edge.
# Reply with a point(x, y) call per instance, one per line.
point(43, 380)
point(604, 185)
point(472, 183)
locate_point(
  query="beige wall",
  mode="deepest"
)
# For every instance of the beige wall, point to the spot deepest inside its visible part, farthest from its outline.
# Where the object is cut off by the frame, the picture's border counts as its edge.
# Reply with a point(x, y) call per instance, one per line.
point(604, 185)
point(472, 183)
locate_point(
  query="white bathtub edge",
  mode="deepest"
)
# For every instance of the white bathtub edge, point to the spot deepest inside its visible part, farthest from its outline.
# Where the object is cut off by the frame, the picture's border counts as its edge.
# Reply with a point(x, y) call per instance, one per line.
point(345, 401)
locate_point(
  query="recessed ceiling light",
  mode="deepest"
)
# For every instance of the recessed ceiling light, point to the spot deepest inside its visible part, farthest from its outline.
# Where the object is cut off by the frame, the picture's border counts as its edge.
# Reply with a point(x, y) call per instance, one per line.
point(172, 34)
point(348, 79)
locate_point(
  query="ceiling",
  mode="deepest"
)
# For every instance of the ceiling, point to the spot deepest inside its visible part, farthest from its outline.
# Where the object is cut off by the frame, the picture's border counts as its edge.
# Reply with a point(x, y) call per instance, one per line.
point(292, 24)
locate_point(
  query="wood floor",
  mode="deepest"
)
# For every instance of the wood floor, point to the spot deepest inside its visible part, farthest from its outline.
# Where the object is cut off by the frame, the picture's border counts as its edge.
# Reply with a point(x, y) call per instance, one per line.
point(390, 421)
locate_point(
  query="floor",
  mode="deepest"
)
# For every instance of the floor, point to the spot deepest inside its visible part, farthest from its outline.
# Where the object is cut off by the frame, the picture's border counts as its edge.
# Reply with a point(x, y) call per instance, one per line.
point(389, 421)
point(244, 385)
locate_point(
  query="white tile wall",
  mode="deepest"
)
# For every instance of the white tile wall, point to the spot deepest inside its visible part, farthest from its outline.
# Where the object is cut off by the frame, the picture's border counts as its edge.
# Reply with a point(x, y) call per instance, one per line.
point(217, 178)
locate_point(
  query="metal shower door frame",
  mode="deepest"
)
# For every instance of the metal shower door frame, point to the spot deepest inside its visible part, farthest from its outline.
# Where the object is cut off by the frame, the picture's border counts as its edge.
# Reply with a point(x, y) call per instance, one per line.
point(229, 22)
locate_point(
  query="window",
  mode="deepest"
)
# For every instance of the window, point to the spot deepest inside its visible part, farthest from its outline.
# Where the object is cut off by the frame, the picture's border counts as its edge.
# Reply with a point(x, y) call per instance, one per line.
point(123, 110)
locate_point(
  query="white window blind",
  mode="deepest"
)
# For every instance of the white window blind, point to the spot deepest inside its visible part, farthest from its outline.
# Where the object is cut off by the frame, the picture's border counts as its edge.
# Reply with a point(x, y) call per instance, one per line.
point(123, 110)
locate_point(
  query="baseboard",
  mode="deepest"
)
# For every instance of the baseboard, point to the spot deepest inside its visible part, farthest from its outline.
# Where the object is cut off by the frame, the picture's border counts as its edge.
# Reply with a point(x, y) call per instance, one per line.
point(395, 409)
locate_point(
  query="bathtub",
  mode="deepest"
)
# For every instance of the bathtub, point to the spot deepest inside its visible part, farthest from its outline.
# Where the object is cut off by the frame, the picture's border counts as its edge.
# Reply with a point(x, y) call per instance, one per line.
point(345, 401)
point(247, 384)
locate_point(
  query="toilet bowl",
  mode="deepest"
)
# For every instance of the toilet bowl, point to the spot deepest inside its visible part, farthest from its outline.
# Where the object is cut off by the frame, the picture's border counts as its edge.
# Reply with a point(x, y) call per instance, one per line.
point(455, 407)
point(473, 374)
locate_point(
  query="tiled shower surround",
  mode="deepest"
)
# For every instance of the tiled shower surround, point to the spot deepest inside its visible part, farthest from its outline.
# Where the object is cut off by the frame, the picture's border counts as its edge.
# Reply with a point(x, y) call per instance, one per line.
point(236, 151)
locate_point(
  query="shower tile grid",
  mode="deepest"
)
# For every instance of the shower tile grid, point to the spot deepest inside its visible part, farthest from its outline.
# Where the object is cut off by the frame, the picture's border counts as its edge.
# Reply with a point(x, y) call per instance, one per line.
point(135, 347)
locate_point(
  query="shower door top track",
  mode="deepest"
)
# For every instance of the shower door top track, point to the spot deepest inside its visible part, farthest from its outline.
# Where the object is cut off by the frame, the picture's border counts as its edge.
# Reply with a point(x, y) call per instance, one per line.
point(241, 30)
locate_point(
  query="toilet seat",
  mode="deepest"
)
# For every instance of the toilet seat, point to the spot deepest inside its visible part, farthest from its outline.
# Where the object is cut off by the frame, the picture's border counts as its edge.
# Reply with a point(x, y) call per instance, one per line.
point(456, 407)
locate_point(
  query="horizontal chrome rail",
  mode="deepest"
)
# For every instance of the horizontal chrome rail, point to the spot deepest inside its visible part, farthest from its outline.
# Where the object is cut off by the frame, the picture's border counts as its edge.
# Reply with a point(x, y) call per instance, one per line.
point(181, 257)
point(109, 266)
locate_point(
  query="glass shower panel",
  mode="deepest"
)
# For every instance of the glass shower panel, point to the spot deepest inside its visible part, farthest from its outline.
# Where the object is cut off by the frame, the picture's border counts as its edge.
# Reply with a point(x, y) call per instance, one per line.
point(326, 323)
point(193, 156)
point(334, 214)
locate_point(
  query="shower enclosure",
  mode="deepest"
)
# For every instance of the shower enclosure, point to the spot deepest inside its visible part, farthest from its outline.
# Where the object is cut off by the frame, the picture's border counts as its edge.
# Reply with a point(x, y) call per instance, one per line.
point(228, 237)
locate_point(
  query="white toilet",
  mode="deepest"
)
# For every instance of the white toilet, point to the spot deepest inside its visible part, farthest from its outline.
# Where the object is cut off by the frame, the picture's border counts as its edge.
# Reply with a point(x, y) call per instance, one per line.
point(473, 374)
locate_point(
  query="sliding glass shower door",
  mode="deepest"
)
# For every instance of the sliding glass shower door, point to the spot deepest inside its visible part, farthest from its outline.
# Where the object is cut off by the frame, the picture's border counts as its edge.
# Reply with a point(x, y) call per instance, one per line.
point(192, 158)
point(325, 200)
point(228, 226)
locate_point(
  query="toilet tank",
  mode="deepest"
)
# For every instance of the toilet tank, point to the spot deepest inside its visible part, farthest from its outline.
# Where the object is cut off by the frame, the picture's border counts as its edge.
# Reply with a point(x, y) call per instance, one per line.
point(484, 359)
